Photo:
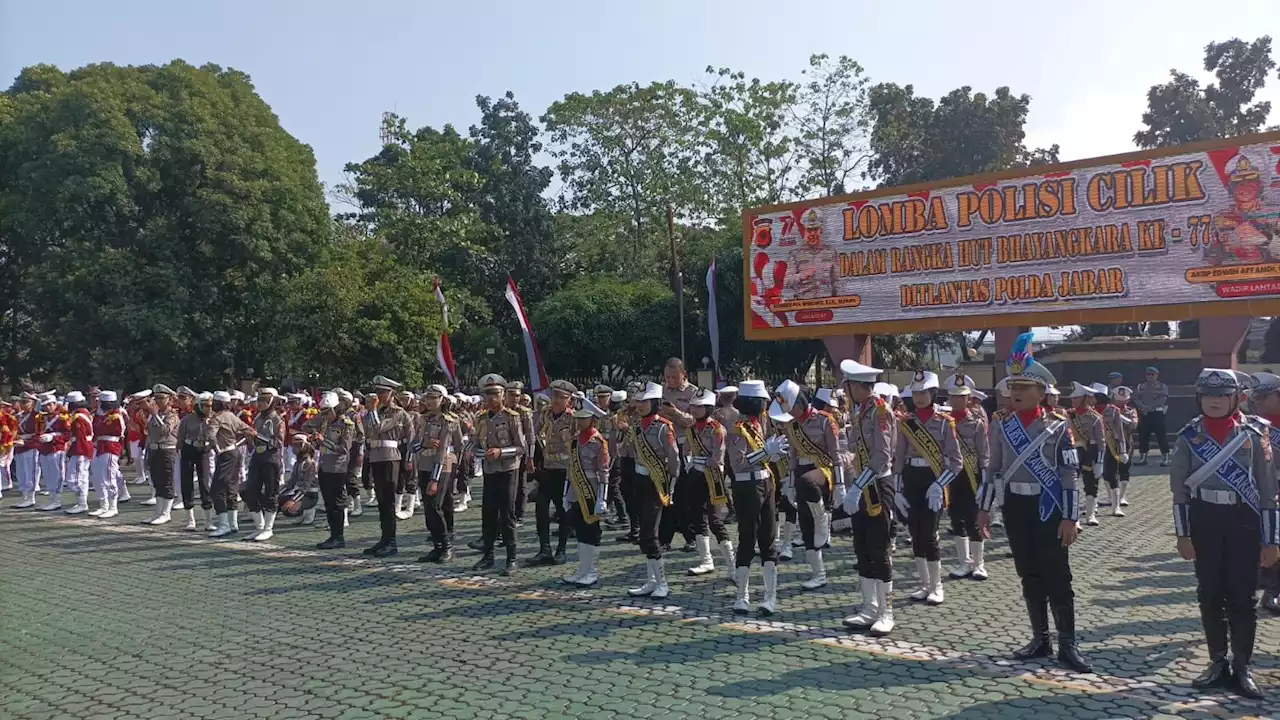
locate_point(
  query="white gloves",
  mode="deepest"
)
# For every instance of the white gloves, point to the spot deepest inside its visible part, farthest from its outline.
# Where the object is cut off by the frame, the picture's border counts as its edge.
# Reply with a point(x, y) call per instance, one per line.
point(698, 462)
point(852, 502)
point(934, 496)
point(601, 506)
point(46, 438)
point(775, 445)
point(900, 502)
point(839, 494)
point(1124, 457)
point(1102, 456)
point(566, 502)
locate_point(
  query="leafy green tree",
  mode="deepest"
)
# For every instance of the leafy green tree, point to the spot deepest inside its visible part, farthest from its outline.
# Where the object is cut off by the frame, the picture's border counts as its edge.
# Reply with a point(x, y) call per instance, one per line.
point(831, 122)
point(151, 216)
point(916, 140)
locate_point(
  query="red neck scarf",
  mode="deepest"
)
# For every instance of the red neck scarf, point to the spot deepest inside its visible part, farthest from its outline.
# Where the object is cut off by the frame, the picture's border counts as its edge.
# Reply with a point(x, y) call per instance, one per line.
point(1273, 419)
point(924, 414)
point(1026, 417)
point(960, 414)
point(1220, 428)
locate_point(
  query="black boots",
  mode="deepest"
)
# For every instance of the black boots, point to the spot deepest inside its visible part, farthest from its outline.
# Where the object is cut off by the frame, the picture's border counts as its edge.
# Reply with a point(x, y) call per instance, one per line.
point(1216, 675)
point(486, 562)
point(1244, 681)
point(1040, 645)
point(377, 547)
point(1215, 636)
point(510, 568)
point(559, 558)
point(333, 543)
point(387, 550)
point(1064, 616)
point(544, 557)
point(1244, 628)
point(440, 553)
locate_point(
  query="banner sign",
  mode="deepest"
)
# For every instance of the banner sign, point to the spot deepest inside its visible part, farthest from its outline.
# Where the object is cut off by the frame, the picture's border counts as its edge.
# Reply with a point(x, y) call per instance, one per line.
point(1171, 234)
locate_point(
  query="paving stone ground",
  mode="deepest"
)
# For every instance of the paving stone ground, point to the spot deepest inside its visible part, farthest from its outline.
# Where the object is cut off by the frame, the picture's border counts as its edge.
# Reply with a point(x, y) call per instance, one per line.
point(113, 619)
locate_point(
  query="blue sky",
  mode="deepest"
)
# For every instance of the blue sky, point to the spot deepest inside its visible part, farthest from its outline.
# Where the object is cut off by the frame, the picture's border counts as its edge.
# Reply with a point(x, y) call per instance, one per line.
point(329, 69)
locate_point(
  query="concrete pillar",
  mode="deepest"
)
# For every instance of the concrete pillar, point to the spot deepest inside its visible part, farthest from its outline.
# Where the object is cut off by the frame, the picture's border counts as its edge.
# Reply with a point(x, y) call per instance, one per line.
point(848, 347)
point(1220, 340)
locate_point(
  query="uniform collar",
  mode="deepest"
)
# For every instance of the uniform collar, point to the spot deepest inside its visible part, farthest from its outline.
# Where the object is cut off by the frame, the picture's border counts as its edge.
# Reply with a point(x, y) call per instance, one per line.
point(1026, 417)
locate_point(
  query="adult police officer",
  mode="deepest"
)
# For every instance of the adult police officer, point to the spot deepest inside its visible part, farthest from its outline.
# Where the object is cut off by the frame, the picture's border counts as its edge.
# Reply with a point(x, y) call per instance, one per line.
point(871, 443)
point(333, 431)
point(1151, 399)
point(927, 458)
point(514, 399)
point(1225, 516)
point(162, 452)
point(814, 472)
point(500, 446)
point(439, 440)
point(1034, 467)
point(386, 425)
point(262, 489)
point(554, 430)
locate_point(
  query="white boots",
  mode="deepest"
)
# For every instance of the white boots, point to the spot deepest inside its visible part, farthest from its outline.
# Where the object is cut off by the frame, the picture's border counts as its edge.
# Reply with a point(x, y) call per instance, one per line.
point(28, 501)
point(82, 503)
point(222, 526)
point(1091, 511)
point(400, 509)
point(884, 601)
point(979, 565)
point(55, 503)
point(769, 605)
point(1116, 510)
point(818, 576)
point(259, 524)
point(727, 555)
point(786, 548)
point(268, 526)
point(103, 505)
point(705, 563)
point(655, 585)
point(308, 517)
point(962, 554)
point(870, 610)
point(113, 509)
point(164, 506)
point(357, 506)
point(930, 590)
point(211, 520)
point(1124, 493)
point(741, 602)
point(587, 575)
point(191, 521)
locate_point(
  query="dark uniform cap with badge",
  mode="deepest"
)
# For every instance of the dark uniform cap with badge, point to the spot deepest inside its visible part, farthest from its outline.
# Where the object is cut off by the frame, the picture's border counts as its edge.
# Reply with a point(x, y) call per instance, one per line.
point(515, 386)
point(161, 389)
point(184, 390)
point(493, 383)
point(1216, 382)
point(564, 386)
point(603, 389)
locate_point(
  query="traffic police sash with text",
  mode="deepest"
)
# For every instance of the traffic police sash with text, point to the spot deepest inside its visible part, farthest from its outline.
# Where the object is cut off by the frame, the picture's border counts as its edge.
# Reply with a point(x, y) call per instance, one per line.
point(870, 493)
point(1050, 483)
point(927, 448)
point(755, 441)
point(810, 451)
point(970, 460)
point(714, 475)
point(1236, 476)
point(653, 463)
point(585, 488)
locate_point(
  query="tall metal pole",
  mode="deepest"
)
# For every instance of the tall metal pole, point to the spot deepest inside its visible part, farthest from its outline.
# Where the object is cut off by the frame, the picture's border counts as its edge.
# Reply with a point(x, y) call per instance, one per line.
point(677, 278)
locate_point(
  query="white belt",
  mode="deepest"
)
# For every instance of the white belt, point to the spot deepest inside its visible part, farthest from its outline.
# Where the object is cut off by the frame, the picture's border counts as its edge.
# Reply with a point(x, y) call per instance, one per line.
point(1023, 488)
point(641, 469)
point(109, 438)
point(162, 446)
point(918, 462)
point(1218, 497)
point(559, 456)
point(384, 443)
point(751, 476)
point(228, 448)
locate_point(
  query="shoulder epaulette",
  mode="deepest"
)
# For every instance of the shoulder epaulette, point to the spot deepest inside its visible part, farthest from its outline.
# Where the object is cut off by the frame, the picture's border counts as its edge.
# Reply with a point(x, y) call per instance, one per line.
point(946, 416)
point(663, 420)
point(511, 412)
point(347, 420)
point(450, 416)
point(1058, 414)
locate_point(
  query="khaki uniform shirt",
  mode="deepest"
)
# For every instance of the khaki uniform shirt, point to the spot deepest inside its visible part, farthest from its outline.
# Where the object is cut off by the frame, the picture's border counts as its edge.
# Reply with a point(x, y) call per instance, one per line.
point(270, 440)
point(737, 448)
point(336, 439)
point(191, 431)
point(712, 435)
point(821, 429)
point(162, 430)
point(385, 429)
point(1053, 451)
point(505, 431)
point(659, 433)
point(872, 424)
point(972, 434)
point(594, 456)
point(440, 437)
point(943, 430)
point(555, 434)
point(223, 431)
point(622, 421)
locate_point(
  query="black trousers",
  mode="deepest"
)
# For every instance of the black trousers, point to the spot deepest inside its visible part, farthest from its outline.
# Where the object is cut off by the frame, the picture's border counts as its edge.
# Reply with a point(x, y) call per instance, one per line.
point(384, 475)
point(757, 507)
point(437, 507)
point(588, 533)
point(498, 511)
point(406, 479)
point(1148, 423)
point(962, 507)
point(617, 498)
point(650, 510)
point(1114, 471)
point(225, 486)
point(679, 516)
point(262, 488)
point(160, 463)
point(550, 497)
point(366, 474)
point(871, 536)
point(1038, 556)
point(333, 487)
point(810, 491)
point(1090, 476)
point(921, 521)
point(355, 470)
point(627, 469)
point(1227, 541)
point(192, 468)
point(705, 518)
point(522, 491)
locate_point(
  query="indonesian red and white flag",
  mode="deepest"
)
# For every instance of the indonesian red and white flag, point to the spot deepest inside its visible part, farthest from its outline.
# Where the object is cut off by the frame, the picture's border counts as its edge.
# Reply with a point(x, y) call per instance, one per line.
point(444, 354)
point(537, 375)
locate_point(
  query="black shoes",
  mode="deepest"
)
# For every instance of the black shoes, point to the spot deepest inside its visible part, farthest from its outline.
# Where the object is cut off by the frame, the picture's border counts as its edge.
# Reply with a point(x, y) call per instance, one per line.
point(332, 544)
point(486, 562)
point(1216, 675)
point(387, 550)
point(1040, 646)
point(510, 568)
point(544, 557)
point(1069, 656)
point(377, 548)
point(559, 558)
point(1245, 683)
